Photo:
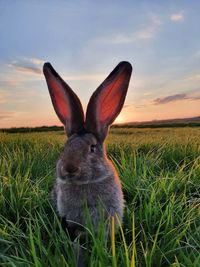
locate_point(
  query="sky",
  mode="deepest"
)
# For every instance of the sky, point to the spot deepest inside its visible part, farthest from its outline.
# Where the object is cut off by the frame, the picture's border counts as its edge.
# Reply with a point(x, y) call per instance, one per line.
point(84, 41)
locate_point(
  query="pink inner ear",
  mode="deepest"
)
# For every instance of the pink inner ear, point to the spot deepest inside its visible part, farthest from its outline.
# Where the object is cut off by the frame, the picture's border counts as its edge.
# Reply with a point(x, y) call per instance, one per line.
point(110, 99)
point(59, 99)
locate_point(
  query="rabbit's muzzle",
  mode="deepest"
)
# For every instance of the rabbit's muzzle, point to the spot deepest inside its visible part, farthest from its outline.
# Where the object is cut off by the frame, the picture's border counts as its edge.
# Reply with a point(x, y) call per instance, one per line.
point(69, 170)
point(70, 164)
point(75, 155)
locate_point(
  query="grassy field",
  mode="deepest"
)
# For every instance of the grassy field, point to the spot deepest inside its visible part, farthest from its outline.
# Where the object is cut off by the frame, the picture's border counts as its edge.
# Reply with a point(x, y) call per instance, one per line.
point(160, 173)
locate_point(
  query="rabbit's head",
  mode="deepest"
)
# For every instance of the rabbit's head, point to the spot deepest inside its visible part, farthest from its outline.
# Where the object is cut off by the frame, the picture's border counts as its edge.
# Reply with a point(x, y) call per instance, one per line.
point(83, 157)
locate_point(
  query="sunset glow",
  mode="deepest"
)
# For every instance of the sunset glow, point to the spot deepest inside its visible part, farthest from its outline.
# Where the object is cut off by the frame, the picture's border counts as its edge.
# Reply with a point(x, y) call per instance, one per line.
point(84, 41)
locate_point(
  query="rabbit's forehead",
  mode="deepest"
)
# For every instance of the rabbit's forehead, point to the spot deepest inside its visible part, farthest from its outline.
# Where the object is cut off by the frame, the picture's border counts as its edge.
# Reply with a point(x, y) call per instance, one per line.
point(90, 138)
point(86, 139)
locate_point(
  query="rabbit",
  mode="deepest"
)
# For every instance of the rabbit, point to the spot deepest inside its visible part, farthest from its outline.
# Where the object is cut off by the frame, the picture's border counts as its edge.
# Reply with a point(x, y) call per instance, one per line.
point(83, 172)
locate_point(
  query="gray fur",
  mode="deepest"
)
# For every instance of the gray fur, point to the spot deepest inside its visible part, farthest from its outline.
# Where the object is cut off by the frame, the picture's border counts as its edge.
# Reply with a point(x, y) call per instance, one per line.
point(96, 183)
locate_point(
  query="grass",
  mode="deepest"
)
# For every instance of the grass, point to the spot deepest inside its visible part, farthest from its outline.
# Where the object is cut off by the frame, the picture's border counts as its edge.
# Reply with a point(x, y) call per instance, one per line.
point(160, 173)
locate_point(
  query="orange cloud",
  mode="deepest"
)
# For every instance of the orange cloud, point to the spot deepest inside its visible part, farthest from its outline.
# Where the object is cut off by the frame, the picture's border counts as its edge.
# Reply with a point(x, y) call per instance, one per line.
point(6, 114)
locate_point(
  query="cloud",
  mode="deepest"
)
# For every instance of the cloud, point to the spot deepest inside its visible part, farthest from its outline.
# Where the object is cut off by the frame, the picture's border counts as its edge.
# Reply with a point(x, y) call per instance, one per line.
point(127, 106)
point(143, 34)
point(140, 106)
point(27, 69)
point(170, 98)
point(27, 65)
point(176, 17)
point(147, 32)
point(6, 114)
point(34, 66)
point(151, 30)
point(147, 93)
point(36, 61)
point(176, 97)
point(194, 77)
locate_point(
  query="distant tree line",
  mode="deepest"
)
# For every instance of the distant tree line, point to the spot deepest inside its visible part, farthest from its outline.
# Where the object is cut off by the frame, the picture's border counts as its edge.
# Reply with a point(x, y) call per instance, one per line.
point(32, 129)
point(60, 128)
point(162, 125)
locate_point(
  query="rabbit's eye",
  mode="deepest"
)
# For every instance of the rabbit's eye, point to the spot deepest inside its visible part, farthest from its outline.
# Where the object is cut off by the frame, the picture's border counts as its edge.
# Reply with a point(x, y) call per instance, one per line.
point(93, 148)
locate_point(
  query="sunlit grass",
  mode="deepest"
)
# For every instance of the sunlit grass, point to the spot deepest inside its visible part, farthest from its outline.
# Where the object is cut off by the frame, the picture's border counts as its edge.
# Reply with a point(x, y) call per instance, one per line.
point(160, 173)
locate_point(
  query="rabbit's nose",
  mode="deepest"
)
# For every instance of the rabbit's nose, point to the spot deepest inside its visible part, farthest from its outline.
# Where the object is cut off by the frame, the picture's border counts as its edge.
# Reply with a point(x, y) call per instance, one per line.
point(71, 169)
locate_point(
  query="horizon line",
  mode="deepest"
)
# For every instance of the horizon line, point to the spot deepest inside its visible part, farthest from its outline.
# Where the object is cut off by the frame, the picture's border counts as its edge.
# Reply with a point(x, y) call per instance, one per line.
point(121, 123)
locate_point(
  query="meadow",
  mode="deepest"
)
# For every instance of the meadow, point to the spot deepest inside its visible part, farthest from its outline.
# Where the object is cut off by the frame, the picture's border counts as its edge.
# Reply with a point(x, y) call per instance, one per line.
point(160, 173)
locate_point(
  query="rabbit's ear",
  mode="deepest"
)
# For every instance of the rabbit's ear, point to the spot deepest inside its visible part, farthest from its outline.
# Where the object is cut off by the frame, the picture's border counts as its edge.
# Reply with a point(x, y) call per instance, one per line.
point(107, 101)
point(65, 102)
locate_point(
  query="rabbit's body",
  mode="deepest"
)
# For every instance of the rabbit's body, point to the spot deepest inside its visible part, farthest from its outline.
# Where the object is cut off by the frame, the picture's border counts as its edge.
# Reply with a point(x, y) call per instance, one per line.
point(95, 186)
point(85, 177)
point(71, 199)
